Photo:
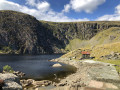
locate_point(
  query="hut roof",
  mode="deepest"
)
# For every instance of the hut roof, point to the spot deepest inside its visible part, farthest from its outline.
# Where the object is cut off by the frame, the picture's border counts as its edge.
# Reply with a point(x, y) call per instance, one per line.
point(85, 52)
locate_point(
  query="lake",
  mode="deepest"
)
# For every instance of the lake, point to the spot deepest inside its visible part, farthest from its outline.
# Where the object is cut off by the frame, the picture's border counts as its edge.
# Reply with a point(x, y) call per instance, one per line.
point(37, 67)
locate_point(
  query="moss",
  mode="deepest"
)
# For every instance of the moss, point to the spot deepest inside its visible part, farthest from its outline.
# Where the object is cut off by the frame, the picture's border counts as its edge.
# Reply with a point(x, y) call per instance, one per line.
point(8, 68)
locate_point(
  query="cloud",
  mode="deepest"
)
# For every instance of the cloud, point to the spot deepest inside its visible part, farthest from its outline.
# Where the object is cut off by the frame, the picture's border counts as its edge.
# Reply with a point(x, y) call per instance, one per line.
point(83, 5)
point(43, 6)
point(117, 9)
point(31, 2)
point(39, 9)
point(112, 17)
point(66, 8)
point(6, 5)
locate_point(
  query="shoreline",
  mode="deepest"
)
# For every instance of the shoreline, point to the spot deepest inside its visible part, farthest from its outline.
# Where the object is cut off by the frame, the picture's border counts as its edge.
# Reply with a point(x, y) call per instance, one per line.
point(93, 75)
point(88, 71)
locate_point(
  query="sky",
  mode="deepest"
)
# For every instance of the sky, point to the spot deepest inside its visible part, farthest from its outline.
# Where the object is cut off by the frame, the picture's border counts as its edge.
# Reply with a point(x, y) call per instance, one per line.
point(66, 10)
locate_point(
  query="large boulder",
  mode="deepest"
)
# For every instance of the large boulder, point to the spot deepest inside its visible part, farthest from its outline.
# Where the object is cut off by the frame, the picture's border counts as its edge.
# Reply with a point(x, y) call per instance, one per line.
point(57, 65)
point(11, 82)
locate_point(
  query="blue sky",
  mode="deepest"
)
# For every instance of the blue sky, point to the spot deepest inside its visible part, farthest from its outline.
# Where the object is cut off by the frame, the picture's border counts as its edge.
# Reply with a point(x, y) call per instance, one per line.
point(66, 10)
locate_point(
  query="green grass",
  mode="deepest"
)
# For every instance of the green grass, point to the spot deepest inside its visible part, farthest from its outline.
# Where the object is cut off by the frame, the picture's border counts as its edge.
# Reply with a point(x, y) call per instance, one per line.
point(110, 35)
point(75, 44)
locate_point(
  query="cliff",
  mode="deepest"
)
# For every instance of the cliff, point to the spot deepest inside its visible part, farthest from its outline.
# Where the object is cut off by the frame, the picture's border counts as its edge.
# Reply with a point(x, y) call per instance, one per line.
point(23, 34)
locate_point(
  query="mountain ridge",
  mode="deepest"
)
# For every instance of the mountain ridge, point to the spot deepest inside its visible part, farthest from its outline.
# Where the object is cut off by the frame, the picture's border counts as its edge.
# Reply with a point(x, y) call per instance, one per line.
point(23, 34)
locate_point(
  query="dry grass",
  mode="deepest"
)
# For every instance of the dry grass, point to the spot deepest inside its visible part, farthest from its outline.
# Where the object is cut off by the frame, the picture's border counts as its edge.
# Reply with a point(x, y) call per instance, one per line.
point(105, 49)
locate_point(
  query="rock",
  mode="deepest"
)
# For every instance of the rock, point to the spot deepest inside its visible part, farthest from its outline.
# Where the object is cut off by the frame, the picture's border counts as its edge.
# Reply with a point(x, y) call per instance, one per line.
point(110, 85)
point(37, 89)
point(57, 65)
point(95, 84)
point(62, 84)
point(99, 84)
point(11, 85)
point(1, 83)
point(74, 57)
point(113, 56)
point(11, 82)
point(9, 77)
point(34, 83)
point(41, 83)
point(19, 74)
point(27, 82)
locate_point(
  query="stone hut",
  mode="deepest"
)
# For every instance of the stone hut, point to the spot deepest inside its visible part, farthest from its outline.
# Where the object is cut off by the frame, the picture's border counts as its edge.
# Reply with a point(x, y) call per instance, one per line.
point(85, 54)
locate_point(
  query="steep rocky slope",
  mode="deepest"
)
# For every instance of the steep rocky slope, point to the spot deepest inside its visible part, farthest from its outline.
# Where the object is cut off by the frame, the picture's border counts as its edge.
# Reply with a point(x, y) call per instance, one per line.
point(22, 34)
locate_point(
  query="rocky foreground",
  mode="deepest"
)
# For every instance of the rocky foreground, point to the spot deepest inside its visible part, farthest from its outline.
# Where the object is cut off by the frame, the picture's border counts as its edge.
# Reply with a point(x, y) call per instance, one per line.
point(10, 82)
point(90, 75)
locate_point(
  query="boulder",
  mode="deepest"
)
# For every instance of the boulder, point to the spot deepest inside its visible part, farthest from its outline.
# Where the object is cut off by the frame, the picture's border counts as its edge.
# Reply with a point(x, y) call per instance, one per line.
point(1, 83)
point(11, 85)
point(57, 65)
point(19, 74)
point(34, 83)
point(9, 77)
point(11, 82)
point(42, 83)
point(27, 82)
point(113, 56)
point(99, 84)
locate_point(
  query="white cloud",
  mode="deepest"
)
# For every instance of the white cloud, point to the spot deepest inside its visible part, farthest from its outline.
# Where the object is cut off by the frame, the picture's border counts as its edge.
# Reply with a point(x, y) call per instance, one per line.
point(115, 17)
point(112, 17)
point(31, 2)
point(117, 9)
point(6, 5)
point(66, 8)
point(41, 5)
point(41, 10)
point(84, 5)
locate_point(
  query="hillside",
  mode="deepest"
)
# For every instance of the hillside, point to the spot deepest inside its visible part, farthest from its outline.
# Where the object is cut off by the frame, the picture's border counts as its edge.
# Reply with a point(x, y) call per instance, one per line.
point(76, 34)
point(101, 45)
point(23, 34)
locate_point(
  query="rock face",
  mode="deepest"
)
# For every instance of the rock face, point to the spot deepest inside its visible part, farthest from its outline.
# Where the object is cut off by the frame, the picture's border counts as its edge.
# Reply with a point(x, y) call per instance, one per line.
point(91, 74)
point(23, 34)
point(11, 82)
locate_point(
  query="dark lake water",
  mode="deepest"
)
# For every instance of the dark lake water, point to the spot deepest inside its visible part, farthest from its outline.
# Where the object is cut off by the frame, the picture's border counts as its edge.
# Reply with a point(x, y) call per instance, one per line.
point(36, 67)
